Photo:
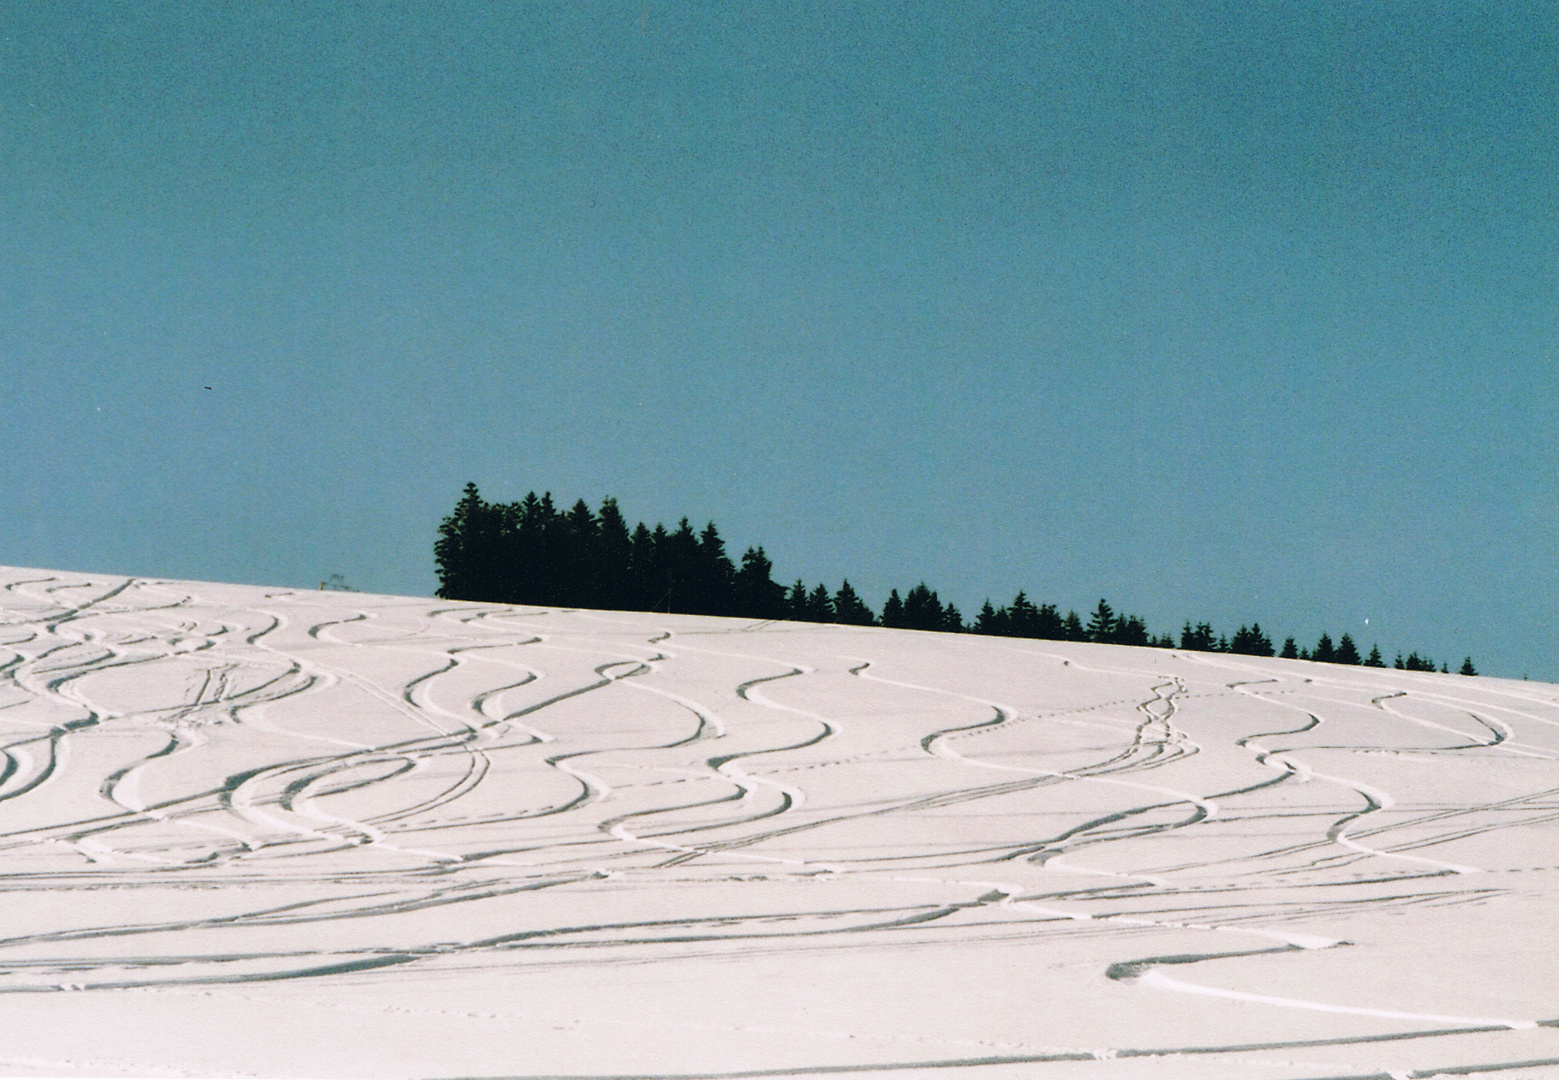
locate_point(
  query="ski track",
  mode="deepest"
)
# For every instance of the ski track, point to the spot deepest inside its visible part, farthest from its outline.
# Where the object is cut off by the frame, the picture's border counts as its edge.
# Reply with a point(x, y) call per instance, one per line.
point(384, 758)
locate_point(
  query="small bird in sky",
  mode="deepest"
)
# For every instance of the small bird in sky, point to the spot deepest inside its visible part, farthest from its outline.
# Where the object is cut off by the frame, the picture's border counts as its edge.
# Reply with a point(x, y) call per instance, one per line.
point(208, 388)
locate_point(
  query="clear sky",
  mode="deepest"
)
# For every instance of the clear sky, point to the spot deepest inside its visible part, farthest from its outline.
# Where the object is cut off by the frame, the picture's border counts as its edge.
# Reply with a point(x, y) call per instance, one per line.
point(1224, 311)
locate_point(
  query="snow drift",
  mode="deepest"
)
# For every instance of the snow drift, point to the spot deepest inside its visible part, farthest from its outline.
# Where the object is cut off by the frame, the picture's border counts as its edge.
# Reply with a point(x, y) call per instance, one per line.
point(250, 831)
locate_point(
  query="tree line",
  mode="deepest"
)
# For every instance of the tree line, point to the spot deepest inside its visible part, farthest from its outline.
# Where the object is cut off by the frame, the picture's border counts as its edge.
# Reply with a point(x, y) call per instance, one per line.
point(531, 552)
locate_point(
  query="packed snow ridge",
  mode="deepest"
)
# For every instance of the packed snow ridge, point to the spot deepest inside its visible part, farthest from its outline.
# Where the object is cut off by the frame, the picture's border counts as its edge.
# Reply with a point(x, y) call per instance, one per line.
point(267, 832)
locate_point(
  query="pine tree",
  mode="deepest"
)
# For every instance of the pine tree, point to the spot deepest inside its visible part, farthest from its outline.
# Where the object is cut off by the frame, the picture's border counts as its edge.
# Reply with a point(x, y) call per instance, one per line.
point(575, 564)
point(893, 610)
point(1324, 652)
point(1101, 625)
point(1023, 618)
point(527, 558)
point(1199, 638)
point(663, 581)
point(645, 581)
point(1073, 629)
point(922, 609)
point(713, 581)
point(1250, 641)
point(1131, 630)
point(1290, 650)
point(615, 553)
point(1467, 668)
point(796, 602)
point(850, 609)
point(820, 606)
point(679, 559)
point(952, 620)
point(1347, 652)
point(466, 553)
point(1374, 658)
point(988, 621)
point(1048, 623)
point(756, 595)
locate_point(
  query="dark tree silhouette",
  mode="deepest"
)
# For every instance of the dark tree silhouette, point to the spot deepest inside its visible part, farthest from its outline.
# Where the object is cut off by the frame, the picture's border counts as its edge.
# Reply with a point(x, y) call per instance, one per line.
point(819, 605)
point(615, 558)
point(1347, 652)
point(1130, 630)
point(530, 552)
point(924, 611)
point(990, 621)
point(796, 602)
point(850, 609)
point(1325, 652)
point(1467, 668)
point(893, 610)
point(1199, 638)
point(1250, 642)
point(757, 594)
point(1101, 624)
point(467, 551)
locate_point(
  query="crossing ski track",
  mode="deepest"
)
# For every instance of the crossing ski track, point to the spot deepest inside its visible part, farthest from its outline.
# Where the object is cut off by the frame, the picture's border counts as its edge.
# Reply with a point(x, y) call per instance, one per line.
point(268, 832)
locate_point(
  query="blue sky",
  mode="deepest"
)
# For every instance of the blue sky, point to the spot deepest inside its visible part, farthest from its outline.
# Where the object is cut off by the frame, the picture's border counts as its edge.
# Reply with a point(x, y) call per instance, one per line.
point(1223, 311)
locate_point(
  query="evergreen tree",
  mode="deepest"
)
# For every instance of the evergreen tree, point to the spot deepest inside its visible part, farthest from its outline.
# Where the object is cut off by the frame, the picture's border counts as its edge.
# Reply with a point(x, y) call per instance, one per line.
point(850, 609)
point(528, 566)
point(467, 551)
point(1324, 652)
point(1467, 668)
point(1048, 623)
point(663, 581)
point(574, 552)
point(1374, 659)
point(1199, 638)
point(922, 609)
point(1250, 641)
point(713, 579)
point(820, 606)
point(990, 621)
point(1101, 625)
point(952, 620)
point(756, 594)
point(893, 610)
point(1072, 629)
point(646, 584)
point(615, 556)
point(1131, 630)
point(679, 557)
point(796, 602)
point(1290, 650)
point(1347, 652)
point(1023, 618)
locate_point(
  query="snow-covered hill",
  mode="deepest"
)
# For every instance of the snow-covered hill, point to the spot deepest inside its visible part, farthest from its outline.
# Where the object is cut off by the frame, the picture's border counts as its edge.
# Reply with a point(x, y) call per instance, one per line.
point(250, 831)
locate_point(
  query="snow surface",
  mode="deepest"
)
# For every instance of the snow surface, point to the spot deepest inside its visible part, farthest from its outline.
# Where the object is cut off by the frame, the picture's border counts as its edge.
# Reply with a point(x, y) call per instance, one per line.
point(266, 832)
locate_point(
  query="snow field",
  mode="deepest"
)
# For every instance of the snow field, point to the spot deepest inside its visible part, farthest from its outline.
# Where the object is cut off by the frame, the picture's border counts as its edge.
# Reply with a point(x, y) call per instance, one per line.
point(268, 832)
